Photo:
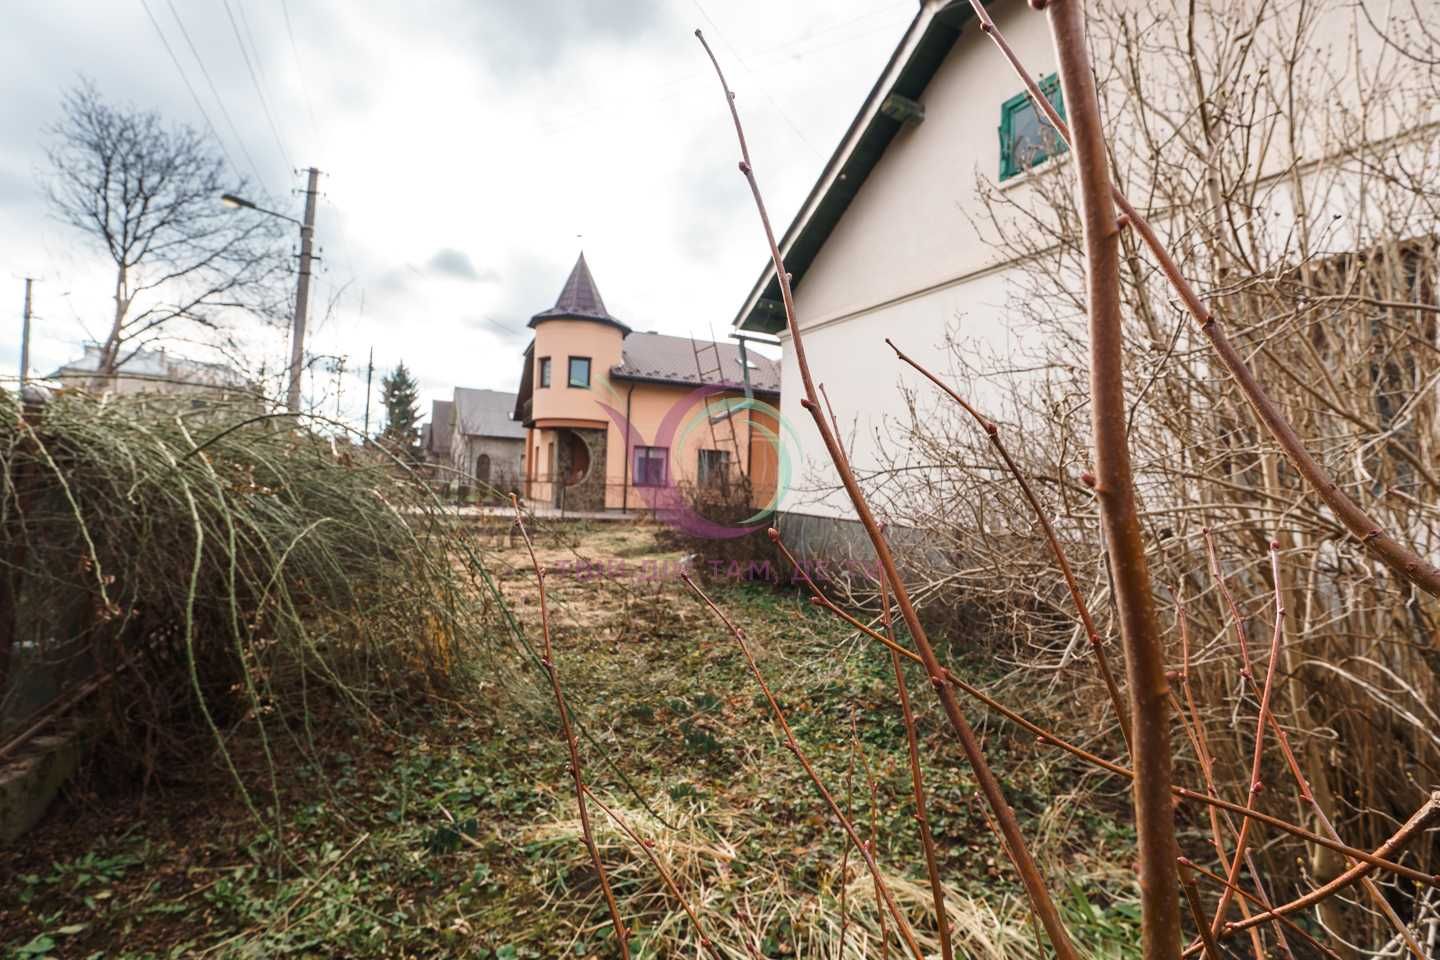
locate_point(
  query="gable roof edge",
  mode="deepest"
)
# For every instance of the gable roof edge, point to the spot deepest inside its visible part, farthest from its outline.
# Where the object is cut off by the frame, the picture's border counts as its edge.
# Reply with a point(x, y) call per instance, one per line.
point(901, 62)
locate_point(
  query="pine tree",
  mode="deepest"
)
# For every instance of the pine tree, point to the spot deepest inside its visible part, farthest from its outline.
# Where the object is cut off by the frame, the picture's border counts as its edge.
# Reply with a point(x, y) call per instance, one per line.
point(401, 396)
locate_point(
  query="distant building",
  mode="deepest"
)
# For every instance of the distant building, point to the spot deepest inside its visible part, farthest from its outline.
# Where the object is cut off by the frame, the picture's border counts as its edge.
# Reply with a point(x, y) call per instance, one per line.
point(153, 371)
point(485, 446)
point(613, 417)
point(435, 435)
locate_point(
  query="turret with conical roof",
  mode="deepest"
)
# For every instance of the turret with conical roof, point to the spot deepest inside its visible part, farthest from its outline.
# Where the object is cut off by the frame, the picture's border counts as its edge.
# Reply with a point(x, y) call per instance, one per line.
point(568, 365)
point(579, 300)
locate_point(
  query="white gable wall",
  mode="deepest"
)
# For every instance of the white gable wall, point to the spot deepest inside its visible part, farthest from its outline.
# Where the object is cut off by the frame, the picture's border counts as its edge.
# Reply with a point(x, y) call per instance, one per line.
point(906, 262)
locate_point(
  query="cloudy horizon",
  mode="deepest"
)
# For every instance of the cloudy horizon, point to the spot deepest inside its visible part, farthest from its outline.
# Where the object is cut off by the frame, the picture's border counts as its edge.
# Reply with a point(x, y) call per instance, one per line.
point(469, 152)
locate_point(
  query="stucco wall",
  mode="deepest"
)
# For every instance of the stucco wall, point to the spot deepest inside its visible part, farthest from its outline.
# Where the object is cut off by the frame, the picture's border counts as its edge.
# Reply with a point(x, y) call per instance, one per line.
point(674, 417)
point(505, 471)
point(910, 259)
point(912, 225)
point(560, 340)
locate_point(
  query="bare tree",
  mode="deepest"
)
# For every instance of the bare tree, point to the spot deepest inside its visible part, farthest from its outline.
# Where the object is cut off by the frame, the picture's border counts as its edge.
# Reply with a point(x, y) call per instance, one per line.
point(149, 193)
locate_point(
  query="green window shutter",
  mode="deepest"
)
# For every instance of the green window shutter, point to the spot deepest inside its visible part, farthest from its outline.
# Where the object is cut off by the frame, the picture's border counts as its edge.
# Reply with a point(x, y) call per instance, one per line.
point(1011, 164)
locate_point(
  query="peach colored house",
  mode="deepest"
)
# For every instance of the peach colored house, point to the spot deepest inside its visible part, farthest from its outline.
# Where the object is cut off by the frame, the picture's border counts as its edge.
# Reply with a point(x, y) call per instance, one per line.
point(620, 420)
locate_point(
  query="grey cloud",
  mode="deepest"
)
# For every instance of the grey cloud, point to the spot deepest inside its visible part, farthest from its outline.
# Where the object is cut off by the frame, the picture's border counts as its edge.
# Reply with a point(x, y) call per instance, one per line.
point(534, 36)
point(454, 263)
point(711, 194)
point(510, 332)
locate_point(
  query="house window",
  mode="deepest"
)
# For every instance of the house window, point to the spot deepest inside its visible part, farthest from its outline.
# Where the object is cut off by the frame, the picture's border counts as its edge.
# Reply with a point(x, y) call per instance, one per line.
point(714, 468)
point(544, 371)
point(650, 466)
point(580, 371)
point(1026, 136)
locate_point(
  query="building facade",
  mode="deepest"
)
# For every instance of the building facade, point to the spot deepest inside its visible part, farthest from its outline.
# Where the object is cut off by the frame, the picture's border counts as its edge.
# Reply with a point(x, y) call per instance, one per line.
point(621, 420)
point(927, 223)
point(486, 446)
point(155, 371)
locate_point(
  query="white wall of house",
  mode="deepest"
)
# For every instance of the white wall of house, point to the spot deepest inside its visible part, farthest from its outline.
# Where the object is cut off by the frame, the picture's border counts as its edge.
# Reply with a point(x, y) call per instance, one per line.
point(909, 259)
point(505, 469)
point(906, 261)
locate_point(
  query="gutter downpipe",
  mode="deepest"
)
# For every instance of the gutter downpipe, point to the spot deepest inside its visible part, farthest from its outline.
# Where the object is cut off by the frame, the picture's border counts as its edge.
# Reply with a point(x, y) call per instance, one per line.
point(625, 442)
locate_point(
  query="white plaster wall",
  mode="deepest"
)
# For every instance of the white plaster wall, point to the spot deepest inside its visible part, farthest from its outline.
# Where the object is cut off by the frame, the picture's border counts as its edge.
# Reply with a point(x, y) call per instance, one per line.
point(868, 386)
point(912, 224)
point(907, 262)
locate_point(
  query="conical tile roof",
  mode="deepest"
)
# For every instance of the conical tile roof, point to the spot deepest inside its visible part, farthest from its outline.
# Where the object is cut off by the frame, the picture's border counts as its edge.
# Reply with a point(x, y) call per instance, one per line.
point(579, 299)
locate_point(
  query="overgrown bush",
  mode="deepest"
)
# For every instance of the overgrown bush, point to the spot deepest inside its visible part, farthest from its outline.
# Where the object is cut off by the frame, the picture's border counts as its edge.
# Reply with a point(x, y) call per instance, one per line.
point(230, 569)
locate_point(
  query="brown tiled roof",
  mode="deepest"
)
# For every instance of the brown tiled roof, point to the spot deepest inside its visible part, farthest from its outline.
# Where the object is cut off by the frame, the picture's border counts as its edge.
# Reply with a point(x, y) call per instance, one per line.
point(579, 299)
point(658, 358)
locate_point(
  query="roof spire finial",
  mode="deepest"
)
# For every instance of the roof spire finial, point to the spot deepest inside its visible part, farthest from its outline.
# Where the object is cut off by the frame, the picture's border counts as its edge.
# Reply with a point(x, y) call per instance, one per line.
point(580, 299)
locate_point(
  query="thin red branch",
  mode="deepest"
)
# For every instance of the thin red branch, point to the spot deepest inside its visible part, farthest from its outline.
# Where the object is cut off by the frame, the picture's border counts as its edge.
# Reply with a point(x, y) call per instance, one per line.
point(1192, 899)
point(1245, 895)
point(1195, 728)
point(917, 785)
point(1277, 636)
point(1030, 875)
point(1420, 820)
point(1046, 736)
point(992, 433)
point(647, 847)
point(1307, 795)
point(1394, 554)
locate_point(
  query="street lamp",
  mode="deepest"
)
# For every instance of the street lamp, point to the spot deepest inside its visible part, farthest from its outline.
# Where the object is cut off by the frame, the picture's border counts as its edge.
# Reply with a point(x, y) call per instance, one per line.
point(302, 284)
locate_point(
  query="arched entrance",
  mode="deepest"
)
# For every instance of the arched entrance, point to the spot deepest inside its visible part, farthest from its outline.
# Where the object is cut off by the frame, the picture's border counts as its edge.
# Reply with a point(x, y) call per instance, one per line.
point(579, 469)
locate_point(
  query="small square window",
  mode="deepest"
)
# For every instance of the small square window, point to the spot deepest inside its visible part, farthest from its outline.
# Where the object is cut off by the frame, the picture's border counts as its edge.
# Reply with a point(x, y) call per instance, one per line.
point(651, 465)
point(544, 371)
point(580, 372)
point(1026, 137)
point(713, 468)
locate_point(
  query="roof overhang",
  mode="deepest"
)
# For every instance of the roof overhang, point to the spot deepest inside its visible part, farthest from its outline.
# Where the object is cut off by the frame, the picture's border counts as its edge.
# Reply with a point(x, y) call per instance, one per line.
point(689, 384)
point(921, 51)
point(567, 423)
point(608, 321)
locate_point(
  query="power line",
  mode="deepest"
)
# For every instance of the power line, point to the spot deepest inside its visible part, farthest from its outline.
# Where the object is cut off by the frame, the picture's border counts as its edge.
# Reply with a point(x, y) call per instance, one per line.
point(804, 42)
point(188, 86)
point(746, 67)
point(255, 51)
point(299, 72)
point(215, 92)
point(255, 79)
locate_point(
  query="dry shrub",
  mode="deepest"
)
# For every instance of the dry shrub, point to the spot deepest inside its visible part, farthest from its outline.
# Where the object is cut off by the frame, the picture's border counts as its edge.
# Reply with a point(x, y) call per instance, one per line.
point(243, 573)
point(1337, 310)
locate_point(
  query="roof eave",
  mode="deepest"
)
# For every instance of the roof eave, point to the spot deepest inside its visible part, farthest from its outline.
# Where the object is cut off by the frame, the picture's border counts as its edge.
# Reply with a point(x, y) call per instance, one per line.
point(608, 321)
point(760, 313)
point(691, 384)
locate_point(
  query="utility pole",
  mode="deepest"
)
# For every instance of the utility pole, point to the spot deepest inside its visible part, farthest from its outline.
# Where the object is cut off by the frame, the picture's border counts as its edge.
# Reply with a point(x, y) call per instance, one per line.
point(25, 336)
point(302, 293)
point(339, 383)
point(369, 373)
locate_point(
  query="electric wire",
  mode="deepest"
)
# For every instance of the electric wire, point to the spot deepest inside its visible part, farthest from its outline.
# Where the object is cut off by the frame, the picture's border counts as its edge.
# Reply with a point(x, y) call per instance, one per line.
point(188, 86)
point(215, 92)
point(255, 79)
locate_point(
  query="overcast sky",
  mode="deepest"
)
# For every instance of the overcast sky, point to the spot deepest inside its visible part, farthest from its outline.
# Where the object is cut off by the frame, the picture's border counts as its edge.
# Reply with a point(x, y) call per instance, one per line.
point(470, 149)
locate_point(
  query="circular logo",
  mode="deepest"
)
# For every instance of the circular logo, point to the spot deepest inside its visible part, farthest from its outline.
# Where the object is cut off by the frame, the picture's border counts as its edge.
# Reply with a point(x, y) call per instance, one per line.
point(748, 458)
